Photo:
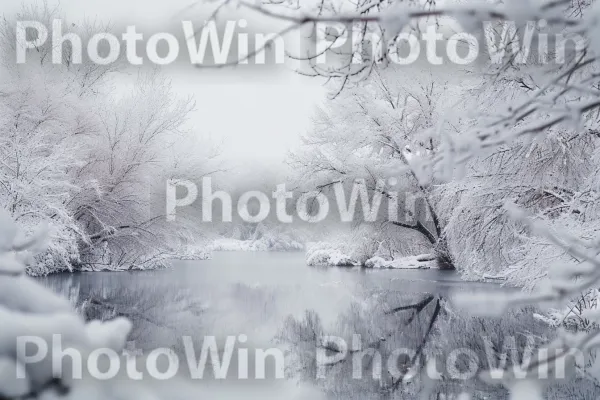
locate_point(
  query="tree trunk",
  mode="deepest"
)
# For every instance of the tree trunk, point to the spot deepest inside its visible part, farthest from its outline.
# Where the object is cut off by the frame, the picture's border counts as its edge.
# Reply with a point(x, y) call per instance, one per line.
point(442, 255)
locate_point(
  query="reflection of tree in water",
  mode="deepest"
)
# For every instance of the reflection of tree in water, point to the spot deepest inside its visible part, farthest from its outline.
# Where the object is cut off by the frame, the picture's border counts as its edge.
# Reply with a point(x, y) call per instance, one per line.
point(426, 325)
point(381, 327)
point(68, 287)
point(160, 314)
point(516, 335)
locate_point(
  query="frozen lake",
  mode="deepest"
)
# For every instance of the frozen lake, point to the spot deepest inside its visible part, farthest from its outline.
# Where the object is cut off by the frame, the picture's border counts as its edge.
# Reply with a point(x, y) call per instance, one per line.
point(256, 293)
point(252, 292)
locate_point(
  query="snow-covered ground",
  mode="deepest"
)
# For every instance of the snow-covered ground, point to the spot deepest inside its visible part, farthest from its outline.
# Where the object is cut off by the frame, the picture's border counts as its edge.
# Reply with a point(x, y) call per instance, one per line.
point(423, 261)
point(328, 255)
point(265, 243)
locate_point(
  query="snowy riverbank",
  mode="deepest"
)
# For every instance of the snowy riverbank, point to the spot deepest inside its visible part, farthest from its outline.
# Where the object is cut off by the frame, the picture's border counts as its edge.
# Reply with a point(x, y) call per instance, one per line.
point(324, 255)
point(265, 243)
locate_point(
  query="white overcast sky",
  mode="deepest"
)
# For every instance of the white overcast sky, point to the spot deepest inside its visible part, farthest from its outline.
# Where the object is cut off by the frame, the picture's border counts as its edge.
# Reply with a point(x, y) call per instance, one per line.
point(258, 116)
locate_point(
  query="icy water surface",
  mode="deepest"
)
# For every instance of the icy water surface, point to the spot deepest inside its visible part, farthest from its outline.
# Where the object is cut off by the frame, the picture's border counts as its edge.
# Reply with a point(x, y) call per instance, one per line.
point(274, 299)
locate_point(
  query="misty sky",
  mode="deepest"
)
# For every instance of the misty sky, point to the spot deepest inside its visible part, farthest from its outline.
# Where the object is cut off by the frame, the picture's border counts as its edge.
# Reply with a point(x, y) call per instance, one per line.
point(258, 116)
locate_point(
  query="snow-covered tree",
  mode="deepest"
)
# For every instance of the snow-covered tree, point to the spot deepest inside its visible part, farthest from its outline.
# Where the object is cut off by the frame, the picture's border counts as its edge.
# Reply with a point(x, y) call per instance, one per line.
point(92, 160)
point(373, 132)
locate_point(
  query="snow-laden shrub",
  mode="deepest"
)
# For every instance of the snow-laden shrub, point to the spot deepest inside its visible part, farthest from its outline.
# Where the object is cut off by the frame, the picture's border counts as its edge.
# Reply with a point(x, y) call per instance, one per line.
point(330, 258)
point(322, 254)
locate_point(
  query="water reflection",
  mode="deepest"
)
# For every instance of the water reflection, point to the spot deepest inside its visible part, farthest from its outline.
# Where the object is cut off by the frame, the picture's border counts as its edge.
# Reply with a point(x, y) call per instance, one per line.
point(273, 298)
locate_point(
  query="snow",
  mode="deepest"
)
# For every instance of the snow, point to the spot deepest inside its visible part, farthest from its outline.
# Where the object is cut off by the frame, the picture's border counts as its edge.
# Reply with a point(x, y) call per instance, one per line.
point(25, 295)
point(525, 389)
point(329, 258)
point(265, 243)
point(108, 334)
point(534, 146)
point(192, 253)
point(396, 19)
point(593, 22)
point(9, 385)
point(9, 232)
point(334, 255)
point(324, 254)
point(423, 261)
